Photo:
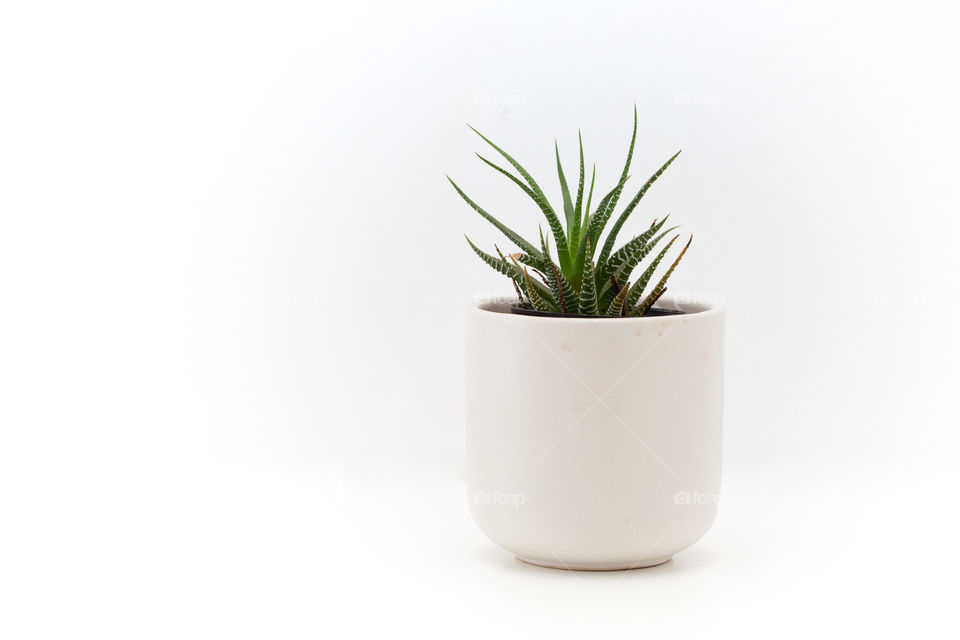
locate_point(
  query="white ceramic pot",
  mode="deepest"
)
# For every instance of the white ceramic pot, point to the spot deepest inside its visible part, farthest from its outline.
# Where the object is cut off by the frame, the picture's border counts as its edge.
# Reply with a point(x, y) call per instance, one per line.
point(594, 443)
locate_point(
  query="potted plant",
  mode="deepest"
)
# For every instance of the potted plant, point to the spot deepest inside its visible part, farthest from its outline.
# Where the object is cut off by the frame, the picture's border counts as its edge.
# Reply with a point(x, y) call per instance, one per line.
point(593, 416)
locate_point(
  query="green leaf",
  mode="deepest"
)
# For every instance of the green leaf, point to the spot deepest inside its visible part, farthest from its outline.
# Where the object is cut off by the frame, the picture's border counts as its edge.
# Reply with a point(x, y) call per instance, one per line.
point(581, 221)
point(578, 262)
point(616, 305)
point(644, 278)
point(516, 287)
point(633, 139)
point(658, 290)
point(526, 285)
point(615, 229)
point(579, 204)
point(599, 219)
point(563, 293)
point(626, 269)
point(538, 266)
point(629, 254)
point(501, 266)
point(552, 220)
point(586, 209)
point(514, 272)
point(565, 190)
point(516, 165)
point(507, 231)
point(602, 214)
point(588, 290)
point(538, 302)
point(515, 275)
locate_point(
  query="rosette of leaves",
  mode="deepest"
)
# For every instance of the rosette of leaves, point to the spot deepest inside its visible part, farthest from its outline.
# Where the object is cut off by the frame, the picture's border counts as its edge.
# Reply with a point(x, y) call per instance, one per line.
point(584, 276)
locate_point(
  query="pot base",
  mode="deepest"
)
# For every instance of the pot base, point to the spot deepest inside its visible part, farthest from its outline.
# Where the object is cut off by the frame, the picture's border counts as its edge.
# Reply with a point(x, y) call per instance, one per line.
point(616, 566)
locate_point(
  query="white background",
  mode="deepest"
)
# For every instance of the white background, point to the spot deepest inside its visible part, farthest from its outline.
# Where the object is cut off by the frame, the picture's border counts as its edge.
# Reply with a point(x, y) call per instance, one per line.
point(233, 277)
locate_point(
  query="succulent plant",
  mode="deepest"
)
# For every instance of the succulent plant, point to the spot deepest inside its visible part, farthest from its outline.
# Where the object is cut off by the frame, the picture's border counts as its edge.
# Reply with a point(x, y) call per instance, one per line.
point(579, 282)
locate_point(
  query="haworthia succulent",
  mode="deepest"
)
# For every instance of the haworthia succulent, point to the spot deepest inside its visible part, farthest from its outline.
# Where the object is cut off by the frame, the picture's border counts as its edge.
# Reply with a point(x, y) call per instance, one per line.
point(578, 282)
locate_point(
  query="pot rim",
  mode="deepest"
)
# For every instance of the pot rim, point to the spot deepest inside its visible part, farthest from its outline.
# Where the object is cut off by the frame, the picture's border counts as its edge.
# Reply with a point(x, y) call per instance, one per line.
point(695, 307)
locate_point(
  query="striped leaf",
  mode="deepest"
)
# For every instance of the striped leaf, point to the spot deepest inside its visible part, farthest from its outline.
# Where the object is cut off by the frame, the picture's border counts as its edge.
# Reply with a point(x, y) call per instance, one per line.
point(563, 292)
point(661, 287)
point(588, 290)
point(564, 189)
point(516, 287)
point(516, 274)
point(612, 264)
point(586, 209)
point(502, 266)
point(599, 220)
point(516, 165)
point(615, 229)
point(542, 289)
point(538, 301)
point(616, 305)
point(581, 256)
point(581, 221)
point(514, 237)
point(633, 139)
point(512, 271)
point(577, 207)
point(552, 220)
point(626, 270)
point(647, 274)
point(621, 265)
